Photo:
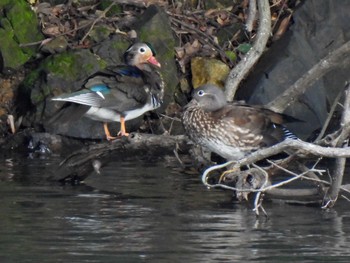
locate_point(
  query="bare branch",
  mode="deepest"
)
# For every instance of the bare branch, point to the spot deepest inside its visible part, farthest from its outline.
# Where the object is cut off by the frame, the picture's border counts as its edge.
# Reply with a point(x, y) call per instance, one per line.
point(338, 171)
point(239, 72)
point(251, 15)
point(329, 117)
point(288, 144)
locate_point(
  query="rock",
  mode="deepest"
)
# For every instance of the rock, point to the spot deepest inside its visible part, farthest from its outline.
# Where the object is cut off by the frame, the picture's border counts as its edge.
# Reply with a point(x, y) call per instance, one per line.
point(65, 72)
point(226, 33)
point(154, 27)
point(34, 143)
point(60, 73)
point(9, 85)
point(19, 25)
point(80, 3)
point(100, 33)
point(319, 27)
point(114, 10)
point(208, 70)
point(1, 62)
point(112, 49)
point(56, 45)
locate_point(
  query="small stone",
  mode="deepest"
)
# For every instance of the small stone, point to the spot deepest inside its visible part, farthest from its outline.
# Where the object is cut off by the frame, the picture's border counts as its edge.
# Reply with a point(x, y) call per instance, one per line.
point(56, 45)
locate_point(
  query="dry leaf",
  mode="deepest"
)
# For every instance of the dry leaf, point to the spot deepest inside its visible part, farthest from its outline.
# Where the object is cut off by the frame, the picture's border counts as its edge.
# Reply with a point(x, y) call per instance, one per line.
point(282, 27)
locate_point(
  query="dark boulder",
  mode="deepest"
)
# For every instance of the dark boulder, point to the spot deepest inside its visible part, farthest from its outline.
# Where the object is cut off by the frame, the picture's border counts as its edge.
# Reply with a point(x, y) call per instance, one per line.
point(319, 27)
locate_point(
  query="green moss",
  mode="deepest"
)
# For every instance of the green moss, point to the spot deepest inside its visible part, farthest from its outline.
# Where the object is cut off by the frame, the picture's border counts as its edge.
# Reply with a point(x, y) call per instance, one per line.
point(36, 97)
point(31, 78)
point(64, 65)
point(73, 65)
point(120, 45)
point(19, 25)
point(100, 33)
point(115, 10)
point(231, 55)
point(11, 52)
point(102, 63)
point(4, 3)
point(25, 24)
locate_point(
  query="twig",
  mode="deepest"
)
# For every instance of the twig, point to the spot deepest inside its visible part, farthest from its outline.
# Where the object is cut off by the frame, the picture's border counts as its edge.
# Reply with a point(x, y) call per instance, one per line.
point(241, 70)
point(346, 198)
point(334, 59)
point(338, 171)
point(264, 153)
point(103, 14)
point(251, 15)
point(263, 188)
point(288, 144)
point(204, 36)
point(279, 13)
point(56, 36)
point(258, 198)
point(329, 117)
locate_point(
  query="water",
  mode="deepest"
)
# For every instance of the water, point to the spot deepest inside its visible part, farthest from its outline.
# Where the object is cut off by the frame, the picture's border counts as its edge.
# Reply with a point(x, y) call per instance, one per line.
point(137, 211)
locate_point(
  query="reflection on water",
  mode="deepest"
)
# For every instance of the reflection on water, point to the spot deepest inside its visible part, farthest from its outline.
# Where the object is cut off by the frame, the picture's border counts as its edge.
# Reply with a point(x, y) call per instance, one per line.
point(141, 212)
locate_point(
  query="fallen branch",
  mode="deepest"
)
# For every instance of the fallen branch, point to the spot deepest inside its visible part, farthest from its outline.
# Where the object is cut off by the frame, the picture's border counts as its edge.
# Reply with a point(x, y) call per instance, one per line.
point(301, 148)
point(79, 164)
point(288, 144)
point(261, 189)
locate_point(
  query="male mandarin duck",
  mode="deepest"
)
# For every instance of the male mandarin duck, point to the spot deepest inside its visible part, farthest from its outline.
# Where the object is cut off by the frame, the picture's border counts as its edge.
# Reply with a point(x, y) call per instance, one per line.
point(231, 130)
point(118, 93)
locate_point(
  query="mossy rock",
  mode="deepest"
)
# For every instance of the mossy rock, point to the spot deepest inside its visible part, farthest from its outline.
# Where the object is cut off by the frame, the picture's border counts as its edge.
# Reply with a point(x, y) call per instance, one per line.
point(73, 65)
point(154, 27)
point(208, 70)
point(115, 10)
point(64, 72)
point(56, 45)
point(13, 56)
point(19, 25)
point(100, 33)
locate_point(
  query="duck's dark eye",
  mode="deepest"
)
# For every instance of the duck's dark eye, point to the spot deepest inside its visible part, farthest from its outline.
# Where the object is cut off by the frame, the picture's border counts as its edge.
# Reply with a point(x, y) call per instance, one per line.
point(142, 50)
point(200, 93)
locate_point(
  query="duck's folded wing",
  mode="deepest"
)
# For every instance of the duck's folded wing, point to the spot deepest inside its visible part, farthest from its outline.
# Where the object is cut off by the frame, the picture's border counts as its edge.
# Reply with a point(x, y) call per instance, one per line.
point(93, 98)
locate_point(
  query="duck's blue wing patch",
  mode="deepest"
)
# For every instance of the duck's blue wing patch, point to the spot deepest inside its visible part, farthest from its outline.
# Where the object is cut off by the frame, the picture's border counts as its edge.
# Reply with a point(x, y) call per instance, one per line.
point(100, 88)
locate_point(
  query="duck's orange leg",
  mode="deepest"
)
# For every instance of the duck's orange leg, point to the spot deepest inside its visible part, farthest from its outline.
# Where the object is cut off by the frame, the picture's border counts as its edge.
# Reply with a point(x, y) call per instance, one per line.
point(122, 128)
point(108, 134)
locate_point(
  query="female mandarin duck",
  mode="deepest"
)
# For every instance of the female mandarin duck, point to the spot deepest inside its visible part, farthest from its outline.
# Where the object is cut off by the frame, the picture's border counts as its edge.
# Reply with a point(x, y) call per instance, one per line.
point(231, 130)
point(118, 93)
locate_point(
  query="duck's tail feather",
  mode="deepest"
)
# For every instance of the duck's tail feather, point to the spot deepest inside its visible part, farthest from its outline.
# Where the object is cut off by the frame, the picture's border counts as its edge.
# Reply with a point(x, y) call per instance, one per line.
point(69, 112)
point(288, 134)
